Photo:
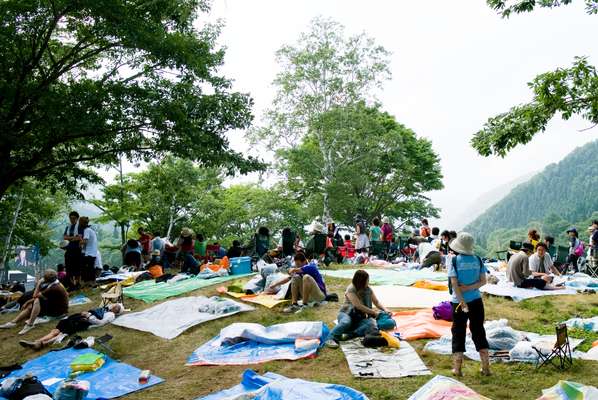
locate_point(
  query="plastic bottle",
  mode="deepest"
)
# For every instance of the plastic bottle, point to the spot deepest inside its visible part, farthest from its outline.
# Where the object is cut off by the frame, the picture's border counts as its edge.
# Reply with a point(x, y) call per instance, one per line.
point(144, 376)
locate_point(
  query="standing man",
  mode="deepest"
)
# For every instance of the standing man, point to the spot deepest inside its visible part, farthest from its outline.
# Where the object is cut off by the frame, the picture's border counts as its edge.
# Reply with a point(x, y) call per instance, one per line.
point(89, 251)
point(73, 233)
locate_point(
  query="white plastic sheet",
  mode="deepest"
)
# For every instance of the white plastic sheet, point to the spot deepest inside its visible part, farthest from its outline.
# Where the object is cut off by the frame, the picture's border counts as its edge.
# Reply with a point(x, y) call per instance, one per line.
point(275, 334)
point(173, 317)
point(393, 296)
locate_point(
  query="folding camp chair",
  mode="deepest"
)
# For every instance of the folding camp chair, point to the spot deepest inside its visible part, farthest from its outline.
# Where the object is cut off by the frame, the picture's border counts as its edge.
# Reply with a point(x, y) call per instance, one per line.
point(592, 265)
point(561, 350)
point(113, 295)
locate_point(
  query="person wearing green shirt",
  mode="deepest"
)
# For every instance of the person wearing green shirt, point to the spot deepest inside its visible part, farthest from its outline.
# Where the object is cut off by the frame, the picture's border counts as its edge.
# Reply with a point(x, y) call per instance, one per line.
point(375, 231)
point(201, 245)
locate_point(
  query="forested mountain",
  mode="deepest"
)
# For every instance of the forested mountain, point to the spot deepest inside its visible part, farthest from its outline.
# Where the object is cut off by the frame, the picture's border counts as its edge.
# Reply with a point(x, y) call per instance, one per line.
point(562, 194)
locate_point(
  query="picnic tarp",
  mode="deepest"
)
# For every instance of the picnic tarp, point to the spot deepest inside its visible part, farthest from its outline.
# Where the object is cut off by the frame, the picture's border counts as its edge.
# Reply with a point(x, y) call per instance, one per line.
point(271, 386)
point(566, 390)
point(420, 324)
point(408, 297)
point(506, 289)
point(259, 344)
point(366, 362)
point(150, 291)
point(442, 387)
point(390, 277)
point(113, 379)
point(587, 324)
point(78, 300)
point(173, 317)
point(266, 300)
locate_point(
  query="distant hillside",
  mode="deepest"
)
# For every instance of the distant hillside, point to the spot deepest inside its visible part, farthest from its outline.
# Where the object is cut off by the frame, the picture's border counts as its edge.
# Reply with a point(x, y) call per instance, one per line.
point(485, 201)
point(568, 190)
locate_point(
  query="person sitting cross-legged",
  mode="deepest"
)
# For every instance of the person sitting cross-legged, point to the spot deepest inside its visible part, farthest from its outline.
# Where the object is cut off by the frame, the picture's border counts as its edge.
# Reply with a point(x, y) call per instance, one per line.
point(540, 263)
point(306, 284)
point(76, 323)
point(357, 317)
point(519, 272)
point(49, 299)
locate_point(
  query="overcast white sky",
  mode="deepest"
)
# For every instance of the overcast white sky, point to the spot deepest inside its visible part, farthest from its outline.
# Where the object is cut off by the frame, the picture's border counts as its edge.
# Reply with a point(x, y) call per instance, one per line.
point(454, 64)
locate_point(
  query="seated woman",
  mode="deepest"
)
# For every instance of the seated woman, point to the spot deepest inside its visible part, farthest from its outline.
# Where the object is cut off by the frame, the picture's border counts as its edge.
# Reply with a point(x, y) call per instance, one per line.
point(76, 323)
point(49, 299)
point(357, 317)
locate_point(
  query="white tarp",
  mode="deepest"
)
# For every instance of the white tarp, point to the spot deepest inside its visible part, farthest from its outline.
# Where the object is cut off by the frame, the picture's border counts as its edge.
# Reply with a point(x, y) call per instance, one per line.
point(365, 362)
point(506, 289)
point(173, 317)
point(393, 296)
point(274, 334)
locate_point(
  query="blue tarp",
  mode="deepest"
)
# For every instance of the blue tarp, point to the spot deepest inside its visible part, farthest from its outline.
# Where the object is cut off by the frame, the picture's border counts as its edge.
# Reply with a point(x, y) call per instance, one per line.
point(271, 386)
point(248, 352)
point(113, 379)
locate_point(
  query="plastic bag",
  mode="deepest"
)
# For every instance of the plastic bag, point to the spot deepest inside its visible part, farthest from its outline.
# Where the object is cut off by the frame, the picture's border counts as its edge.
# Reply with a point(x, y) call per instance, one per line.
point(72, 390)
point(87, 362)
point(443, 311)
point(219, 306)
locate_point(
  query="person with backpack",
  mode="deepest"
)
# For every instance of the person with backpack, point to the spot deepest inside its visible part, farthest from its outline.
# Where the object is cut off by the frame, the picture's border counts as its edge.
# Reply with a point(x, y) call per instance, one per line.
point(467, 274)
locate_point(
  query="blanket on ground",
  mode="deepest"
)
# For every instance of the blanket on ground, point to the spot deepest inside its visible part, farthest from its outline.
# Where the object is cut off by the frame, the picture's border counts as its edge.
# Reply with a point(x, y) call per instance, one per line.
point(271, 386)
point(113, 379)
point(389, 276)
point(150, 291)
point(408, 297)
point(442, 387)
point(365, 362)
point(245, 343)
point(413, 325)
point(173, 317)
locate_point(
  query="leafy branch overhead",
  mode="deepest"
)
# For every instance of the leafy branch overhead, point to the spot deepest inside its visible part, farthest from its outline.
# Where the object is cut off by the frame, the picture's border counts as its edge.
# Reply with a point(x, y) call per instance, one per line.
point(565, 92)
point(82, 83)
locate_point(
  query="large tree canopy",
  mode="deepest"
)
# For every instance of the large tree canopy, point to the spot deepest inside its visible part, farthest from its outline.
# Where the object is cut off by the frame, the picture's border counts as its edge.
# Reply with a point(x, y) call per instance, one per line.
point(379, 167)
point(84, 82)
point(565, 92)
point(323, 70)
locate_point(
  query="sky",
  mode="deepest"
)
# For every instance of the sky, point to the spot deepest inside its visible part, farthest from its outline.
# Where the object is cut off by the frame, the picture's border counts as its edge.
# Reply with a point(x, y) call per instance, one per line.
point(454, 64)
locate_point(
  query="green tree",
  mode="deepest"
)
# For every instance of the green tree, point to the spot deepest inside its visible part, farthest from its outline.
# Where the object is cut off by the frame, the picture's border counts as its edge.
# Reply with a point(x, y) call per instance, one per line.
point(83, 83)
point(323, 70)
point(380, 167)
point(28, 214)
point(565, 92)
point(171, 192)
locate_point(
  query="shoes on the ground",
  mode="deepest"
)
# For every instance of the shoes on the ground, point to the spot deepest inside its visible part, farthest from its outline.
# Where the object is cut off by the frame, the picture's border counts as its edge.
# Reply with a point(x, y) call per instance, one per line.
point(26, 329)
point(291, 309)
point(300, 309)
point(332, 344)
point(30, 345)
point(8, 325)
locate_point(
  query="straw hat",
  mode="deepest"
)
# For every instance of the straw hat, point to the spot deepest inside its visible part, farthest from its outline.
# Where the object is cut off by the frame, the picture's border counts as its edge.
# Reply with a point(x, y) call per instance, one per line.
point(317, 226)
point(186, 232)
point(386, 220)
point(463, 244)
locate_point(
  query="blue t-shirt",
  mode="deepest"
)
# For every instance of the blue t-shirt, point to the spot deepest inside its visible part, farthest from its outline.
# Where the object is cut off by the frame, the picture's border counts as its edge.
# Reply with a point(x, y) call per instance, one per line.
point(312, 270)
point(468, 272)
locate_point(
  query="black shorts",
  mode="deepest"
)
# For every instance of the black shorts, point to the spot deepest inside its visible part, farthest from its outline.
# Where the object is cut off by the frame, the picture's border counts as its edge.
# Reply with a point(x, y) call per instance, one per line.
point(46, 309)
point(73, 324)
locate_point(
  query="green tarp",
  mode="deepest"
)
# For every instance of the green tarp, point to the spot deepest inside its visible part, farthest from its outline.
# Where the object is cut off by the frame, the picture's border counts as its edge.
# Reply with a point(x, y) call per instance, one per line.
point(389, 276)
point(150, 291)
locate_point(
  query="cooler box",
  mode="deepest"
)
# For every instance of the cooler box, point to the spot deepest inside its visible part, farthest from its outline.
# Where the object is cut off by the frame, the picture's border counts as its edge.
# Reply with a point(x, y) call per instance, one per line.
point(240, 265)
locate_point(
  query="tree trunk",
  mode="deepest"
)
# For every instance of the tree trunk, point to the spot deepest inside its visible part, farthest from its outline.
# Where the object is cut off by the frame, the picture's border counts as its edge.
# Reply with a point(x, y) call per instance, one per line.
point(8, 241)
point(123, 233)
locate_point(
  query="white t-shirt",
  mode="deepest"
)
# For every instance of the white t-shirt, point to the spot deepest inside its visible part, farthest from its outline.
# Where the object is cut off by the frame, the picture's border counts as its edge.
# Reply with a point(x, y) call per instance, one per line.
point(424, 249)
point(91, 246)
point(534, 263)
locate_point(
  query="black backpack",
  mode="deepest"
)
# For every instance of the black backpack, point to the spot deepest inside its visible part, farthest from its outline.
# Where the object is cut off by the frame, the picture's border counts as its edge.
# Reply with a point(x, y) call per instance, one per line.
point(454, 263)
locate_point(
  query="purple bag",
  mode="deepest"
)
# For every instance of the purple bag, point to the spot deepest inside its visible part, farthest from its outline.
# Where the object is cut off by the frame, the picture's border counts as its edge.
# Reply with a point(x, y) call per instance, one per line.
point(443, 311)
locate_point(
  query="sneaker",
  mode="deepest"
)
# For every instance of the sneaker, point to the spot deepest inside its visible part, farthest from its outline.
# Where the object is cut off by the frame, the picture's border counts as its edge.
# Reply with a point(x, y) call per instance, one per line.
point(332, 344)
point(8, 325)
point(26, 329)
point(30, 345)
point(301, 308)
point(291, 309)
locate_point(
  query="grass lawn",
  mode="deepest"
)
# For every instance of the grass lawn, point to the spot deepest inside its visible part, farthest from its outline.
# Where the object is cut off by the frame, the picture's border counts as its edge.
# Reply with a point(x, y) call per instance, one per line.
point(166, 358)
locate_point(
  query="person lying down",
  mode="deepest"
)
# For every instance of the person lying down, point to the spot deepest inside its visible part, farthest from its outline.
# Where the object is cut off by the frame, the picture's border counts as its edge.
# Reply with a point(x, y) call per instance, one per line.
point(76, 323)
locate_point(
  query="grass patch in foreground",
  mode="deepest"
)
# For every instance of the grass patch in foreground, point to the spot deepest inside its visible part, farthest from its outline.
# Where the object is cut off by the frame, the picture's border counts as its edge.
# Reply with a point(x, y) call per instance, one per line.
point(166, 358)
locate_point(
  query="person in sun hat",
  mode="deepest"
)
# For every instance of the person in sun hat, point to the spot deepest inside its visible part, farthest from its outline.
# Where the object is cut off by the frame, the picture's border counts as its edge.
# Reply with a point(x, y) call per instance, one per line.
point(186, 243)
point(386, 230)
point(467, 274)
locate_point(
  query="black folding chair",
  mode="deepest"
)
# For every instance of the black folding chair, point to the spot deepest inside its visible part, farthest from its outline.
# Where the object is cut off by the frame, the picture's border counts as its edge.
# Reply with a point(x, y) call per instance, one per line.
point(561, 351)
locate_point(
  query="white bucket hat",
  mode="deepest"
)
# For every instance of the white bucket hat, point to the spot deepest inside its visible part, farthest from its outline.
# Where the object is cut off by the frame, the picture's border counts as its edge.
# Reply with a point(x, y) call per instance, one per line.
point(386, 220)
point(463, 244)
point(317, 226)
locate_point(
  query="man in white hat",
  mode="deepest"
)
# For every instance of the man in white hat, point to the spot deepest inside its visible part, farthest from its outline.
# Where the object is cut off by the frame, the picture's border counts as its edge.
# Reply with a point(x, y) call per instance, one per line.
point(467, 274)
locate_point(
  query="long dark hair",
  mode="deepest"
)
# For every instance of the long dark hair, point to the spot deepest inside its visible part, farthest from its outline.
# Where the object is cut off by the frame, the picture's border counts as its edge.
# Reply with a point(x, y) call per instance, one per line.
point(360, 279)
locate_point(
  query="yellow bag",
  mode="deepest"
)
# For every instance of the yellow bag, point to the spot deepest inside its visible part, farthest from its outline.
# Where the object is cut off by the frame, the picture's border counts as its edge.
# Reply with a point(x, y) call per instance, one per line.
point(88, 362)
point(391, 339)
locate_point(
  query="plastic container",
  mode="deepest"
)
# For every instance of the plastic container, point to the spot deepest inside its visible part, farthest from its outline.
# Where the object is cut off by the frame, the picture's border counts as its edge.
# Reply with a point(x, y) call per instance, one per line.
point(144, 376)
point(240, 265)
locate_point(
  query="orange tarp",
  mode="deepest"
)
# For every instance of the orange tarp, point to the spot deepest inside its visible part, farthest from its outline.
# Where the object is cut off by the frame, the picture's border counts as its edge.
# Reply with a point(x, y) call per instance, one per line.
point(425, 284)
point(420, 324)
